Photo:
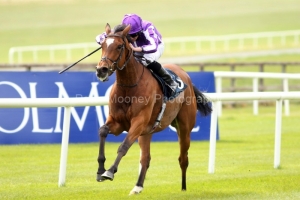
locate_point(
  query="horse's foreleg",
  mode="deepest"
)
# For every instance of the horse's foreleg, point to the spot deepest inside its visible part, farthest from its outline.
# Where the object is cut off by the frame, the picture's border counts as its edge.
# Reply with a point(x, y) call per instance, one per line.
point(145, 157)
point(103, 131)
point(123, 148)
point(134, 132)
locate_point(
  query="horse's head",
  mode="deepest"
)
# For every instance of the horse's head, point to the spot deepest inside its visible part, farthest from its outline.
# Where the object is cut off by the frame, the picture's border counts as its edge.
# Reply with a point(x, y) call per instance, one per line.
point(116, 51)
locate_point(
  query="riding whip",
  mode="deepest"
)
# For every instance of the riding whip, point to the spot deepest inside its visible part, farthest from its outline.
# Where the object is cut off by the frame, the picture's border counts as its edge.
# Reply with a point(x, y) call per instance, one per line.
point(79, 60)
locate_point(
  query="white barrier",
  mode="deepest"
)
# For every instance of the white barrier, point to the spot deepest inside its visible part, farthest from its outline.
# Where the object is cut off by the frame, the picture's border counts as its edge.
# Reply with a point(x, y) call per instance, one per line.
point(241, 96)
point(85, 47)
point(214, 97)
point(67, 103)
point(200, 44)
point(249, 40)
point(255, 76)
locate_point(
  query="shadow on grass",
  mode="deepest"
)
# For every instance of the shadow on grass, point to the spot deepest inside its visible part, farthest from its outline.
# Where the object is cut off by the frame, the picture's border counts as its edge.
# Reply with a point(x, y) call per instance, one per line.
point(210, 195)
point(232, 141)
point(222, 195)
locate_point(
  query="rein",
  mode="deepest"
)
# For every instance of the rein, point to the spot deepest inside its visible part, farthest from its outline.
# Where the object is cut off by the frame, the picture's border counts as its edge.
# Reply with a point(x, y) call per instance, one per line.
point(117, 61)
point(119, 57)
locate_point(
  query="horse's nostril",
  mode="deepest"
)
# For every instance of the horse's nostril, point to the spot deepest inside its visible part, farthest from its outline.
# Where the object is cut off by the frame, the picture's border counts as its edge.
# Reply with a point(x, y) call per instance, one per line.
point(103, 69)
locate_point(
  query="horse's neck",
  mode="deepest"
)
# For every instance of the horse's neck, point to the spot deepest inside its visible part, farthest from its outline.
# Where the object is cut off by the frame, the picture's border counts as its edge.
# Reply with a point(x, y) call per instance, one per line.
point(131, 73)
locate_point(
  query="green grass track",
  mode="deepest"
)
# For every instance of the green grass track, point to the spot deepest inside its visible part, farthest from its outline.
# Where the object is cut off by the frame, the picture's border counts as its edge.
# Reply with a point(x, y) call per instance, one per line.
point(244, 165)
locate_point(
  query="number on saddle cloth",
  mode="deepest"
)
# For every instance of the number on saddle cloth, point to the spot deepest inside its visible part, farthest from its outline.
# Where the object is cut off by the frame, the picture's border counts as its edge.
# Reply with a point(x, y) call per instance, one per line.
point(167, 92)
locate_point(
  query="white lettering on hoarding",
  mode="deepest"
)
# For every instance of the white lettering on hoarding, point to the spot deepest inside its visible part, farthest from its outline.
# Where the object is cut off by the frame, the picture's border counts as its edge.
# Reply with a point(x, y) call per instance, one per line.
point(26, 110)
point(79, 121)
point(34, 111)
point(62, 93)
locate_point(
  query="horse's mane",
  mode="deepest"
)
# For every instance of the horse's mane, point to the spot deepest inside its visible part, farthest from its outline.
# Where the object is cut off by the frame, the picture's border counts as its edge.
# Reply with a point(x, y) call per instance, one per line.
point(120, 28)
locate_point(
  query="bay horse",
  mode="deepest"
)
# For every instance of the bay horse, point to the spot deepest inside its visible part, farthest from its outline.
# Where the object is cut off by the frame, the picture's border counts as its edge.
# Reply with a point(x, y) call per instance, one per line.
point(137, 115)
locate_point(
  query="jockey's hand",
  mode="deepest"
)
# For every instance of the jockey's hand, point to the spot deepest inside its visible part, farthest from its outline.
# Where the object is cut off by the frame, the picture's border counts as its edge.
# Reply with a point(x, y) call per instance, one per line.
point(137, 49)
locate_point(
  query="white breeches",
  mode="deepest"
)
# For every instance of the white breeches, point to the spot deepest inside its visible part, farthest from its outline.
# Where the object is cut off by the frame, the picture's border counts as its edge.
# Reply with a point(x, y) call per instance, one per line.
point(156, 55)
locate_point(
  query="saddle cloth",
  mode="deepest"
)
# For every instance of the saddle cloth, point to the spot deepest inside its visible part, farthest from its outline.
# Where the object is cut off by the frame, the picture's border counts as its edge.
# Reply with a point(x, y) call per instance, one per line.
point(168, 93)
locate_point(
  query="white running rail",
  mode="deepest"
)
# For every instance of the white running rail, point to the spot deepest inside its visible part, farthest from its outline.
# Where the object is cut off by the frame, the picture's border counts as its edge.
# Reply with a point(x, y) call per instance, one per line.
point(255, 76)
point(241, 96)
point(17, 52)
point(254, 40)
point(67, 103)
point(195, 44)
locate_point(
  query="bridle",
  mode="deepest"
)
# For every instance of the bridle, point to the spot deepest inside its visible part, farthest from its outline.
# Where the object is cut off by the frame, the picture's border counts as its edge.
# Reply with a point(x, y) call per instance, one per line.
point(116, 62)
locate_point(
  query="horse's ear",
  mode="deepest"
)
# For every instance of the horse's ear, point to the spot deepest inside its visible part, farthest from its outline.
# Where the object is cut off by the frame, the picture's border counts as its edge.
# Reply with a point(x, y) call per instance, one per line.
point(107, 29)
point(126, 30)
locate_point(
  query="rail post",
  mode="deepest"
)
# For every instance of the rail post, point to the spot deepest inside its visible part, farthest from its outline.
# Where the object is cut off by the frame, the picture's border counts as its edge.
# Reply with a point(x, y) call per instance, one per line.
point(278, 123)
point(213, 138)
point(64, 147)
point(219, 90)
point(232, 80)
point(255, 102)
point(261, 81)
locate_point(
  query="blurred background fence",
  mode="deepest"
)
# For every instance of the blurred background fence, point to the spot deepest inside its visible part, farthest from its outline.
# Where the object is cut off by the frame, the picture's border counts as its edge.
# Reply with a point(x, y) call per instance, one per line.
point(231, 84)
point(174, 46)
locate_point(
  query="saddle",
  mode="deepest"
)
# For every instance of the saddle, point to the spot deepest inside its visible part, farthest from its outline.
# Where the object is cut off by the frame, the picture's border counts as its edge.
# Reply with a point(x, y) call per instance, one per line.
point(167, 92)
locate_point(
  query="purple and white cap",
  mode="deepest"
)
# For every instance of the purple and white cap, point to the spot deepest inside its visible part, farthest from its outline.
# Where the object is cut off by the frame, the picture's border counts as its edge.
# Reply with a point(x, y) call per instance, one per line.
point(135, 22)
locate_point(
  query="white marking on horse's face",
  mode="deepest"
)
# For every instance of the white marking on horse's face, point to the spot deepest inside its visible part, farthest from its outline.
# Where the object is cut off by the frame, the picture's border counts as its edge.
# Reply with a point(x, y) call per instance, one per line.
point(109, 41)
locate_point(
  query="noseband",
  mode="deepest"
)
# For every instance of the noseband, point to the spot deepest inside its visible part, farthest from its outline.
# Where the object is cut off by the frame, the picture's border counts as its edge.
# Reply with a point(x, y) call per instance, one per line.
point(116, 62)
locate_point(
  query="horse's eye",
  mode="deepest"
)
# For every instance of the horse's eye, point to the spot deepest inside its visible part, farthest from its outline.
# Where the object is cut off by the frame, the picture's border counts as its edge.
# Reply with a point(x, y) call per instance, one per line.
point(120, 47)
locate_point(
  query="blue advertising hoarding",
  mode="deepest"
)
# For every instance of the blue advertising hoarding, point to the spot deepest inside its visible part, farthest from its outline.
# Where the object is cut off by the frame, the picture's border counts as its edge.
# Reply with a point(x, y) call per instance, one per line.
point(44, 125)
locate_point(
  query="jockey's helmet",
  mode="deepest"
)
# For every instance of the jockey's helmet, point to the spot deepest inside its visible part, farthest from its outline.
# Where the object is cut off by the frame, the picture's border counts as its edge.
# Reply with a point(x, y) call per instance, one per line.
point(135, 22)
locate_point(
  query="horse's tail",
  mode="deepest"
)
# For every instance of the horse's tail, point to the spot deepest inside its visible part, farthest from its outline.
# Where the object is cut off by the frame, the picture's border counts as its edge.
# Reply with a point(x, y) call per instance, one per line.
point(202, 102)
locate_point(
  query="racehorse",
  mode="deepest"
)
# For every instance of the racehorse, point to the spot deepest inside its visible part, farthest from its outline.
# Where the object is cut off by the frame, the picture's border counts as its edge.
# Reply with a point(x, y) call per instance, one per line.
point(142, 103)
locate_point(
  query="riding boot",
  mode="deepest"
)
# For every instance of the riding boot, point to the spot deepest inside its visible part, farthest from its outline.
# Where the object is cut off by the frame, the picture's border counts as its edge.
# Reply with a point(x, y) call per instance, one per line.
point(164, 74)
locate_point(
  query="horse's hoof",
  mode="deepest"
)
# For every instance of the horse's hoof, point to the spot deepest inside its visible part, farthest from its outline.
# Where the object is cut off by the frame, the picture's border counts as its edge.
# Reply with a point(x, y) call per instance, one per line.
point(100, 178)
point(136, 190)
point(107, 175)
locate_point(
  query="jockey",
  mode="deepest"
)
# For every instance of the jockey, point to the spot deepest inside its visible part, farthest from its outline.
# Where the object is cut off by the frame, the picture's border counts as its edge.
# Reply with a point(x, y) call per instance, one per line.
point(146, 40)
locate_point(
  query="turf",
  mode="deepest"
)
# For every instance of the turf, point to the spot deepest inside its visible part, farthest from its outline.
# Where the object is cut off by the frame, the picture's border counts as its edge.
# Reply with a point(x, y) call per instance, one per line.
point(244, 165)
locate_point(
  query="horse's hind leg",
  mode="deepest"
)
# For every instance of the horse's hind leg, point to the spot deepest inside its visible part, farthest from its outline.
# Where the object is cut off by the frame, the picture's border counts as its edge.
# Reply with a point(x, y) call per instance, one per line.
point(183, 132)
point(145, 157)
point(184, 140)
